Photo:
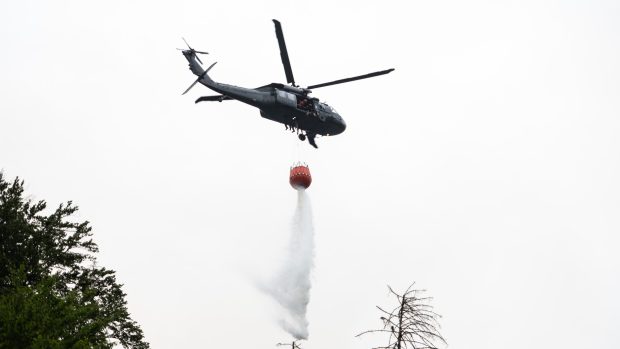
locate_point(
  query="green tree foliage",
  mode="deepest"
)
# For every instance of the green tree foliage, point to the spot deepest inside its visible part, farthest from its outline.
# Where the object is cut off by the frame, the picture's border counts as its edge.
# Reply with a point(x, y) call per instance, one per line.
point(52, 293)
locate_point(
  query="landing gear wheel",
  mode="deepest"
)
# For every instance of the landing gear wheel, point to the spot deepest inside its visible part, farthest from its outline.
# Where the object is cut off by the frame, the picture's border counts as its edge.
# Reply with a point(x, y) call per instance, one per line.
point(302, 137)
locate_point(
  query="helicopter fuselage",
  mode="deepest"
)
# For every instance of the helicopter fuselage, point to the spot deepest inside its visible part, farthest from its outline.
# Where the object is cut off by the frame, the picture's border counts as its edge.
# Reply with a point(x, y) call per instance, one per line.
point(295, 110)
point(285, 104)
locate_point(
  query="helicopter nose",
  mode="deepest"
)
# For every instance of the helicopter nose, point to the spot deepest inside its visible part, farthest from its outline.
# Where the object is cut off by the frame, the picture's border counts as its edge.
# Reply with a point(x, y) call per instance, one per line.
point(340, 125)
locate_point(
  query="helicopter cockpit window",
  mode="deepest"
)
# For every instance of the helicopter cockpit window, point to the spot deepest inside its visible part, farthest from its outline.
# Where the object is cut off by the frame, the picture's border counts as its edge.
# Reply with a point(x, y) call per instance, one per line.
point(326, 107)
point(304, 103)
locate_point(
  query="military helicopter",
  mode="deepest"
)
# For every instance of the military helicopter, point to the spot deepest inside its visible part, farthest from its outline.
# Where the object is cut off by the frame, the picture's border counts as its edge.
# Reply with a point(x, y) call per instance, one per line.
point(290, 105)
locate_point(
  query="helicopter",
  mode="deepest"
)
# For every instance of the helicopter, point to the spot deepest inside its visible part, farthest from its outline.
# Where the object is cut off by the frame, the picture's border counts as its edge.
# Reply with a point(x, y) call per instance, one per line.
point(288, 103)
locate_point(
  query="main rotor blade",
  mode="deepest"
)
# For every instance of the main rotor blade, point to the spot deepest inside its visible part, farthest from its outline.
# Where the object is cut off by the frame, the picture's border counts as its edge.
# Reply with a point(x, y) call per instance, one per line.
point(284, 54)
point(342, 81)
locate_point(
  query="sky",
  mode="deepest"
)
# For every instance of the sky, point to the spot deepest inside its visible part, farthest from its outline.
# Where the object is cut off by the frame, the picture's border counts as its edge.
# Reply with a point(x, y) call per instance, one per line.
point(485, 168)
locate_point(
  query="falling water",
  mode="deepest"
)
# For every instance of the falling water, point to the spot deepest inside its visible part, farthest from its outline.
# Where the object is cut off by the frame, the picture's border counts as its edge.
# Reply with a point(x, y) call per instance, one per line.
point(291, 287)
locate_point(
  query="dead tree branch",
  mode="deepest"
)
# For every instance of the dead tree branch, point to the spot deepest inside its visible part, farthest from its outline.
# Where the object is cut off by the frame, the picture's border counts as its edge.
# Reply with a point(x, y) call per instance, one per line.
point(293, 345)
point(412, 324)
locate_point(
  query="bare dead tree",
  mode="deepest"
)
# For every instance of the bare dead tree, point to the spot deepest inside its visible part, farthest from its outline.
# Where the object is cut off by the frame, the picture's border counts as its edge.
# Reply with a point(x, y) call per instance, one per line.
point(293, 344)
point(411, 324)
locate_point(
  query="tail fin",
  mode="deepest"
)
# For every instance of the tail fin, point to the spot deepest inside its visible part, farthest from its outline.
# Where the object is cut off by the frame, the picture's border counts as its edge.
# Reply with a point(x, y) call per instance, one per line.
point(194, 62)
point(203, 75)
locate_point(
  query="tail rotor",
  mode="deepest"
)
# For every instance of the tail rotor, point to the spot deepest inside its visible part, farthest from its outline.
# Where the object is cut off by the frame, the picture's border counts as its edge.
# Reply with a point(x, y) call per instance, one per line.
point(192, 51)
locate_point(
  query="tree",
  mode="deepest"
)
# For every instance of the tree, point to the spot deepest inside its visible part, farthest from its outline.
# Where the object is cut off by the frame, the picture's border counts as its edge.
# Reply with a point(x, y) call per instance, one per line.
point(52, 293)
point(411, 324)
point(293, 345)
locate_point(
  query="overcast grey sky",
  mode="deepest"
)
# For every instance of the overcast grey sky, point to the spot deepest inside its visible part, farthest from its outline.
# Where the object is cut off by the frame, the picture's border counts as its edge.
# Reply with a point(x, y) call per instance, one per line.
point(486, 167)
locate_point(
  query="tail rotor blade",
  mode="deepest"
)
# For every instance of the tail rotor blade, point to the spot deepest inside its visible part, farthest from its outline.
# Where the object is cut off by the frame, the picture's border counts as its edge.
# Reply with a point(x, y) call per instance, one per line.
point(186, 43)
point(194, 52)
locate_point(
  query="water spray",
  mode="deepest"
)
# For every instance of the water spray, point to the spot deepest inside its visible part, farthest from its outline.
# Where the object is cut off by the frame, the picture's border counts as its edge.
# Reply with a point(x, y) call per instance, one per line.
point(291, 286)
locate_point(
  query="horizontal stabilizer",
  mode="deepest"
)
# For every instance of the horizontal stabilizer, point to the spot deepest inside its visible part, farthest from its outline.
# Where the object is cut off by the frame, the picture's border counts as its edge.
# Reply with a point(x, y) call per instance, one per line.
point(217, 98)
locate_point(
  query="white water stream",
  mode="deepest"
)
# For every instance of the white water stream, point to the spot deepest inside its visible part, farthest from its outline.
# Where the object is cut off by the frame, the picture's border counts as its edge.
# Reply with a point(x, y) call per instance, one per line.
point(291, 286)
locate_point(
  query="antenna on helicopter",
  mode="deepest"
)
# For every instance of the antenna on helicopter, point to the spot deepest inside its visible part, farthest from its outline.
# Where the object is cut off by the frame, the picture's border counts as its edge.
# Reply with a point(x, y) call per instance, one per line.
point(194, 52)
